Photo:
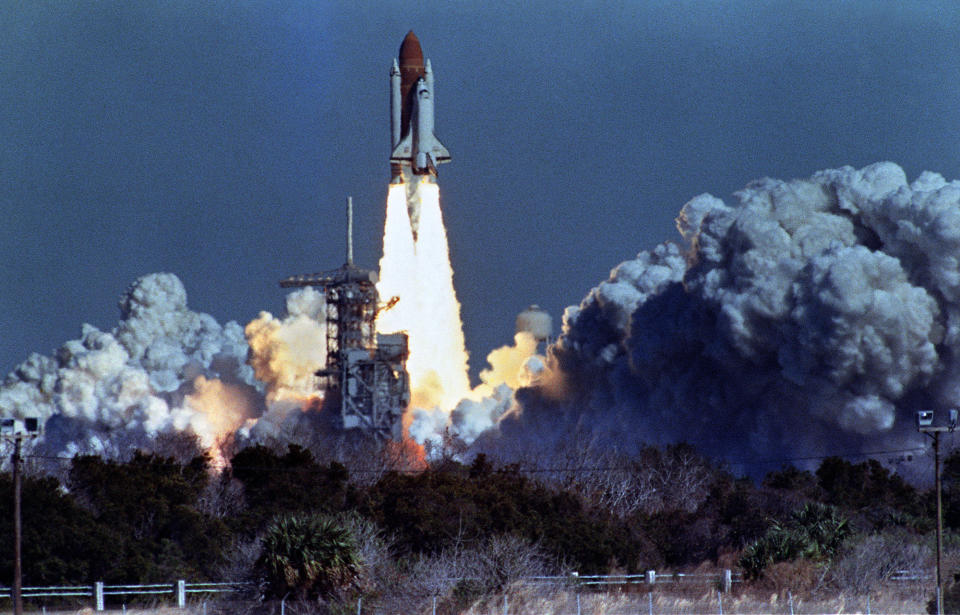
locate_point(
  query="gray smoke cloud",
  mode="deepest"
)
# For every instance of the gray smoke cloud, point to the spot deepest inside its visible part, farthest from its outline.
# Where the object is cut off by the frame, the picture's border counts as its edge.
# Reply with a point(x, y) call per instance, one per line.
point(810, 316)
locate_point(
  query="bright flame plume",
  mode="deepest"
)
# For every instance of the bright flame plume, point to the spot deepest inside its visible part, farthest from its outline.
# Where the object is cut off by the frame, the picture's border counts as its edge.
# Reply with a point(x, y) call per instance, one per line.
point(418, 271)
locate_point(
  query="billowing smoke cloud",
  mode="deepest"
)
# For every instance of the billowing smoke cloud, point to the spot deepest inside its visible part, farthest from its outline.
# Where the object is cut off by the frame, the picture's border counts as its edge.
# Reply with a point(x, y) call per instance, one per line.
point(156, 372)
point(510, 368)
point(285, 355)
point(810, 316)
point(166, 369)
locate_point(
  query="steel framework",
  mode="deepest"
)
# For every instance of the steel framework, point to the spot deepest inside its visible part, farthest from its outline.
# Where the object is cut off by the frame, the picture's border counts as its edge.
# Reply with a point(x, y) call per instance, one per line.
point(365, 376)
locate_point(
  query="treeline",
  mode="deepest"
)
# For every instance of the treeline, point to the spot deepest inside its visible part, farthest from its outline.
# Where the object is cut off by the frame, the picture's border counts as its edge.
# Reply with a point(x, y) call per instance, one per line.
point(154, 518)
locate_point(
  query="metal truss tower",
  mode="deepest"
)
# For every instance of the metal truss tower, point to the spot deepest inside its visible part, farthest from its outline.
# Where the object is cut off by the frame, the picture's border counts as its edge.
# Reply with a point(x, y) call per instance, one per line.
point(366, 376)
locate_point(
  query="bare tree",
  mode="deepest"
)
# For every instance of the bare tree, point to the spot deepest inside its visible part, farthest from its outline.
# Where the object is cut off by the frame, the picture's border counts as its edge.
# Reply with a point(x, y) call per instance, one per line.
point(672, 478)
point(505, 559)
point(181, 446)
point(867, 564)
point(222, 497)
point(681, 477)
point(373, 547)
point(239, 563)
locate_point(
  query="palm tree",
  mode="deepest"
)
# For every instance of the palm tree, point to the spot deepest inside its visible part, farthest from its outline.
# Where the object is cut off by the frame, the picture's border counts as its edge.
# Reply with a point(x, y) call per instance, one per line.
point(308, 556)
point(815, 532)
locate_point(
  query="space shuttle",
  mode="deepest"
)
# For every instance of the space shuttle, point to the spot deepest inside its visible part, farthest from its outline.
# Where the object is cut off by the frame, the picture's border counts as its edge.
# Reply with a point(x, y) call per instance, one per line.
point(416, 150)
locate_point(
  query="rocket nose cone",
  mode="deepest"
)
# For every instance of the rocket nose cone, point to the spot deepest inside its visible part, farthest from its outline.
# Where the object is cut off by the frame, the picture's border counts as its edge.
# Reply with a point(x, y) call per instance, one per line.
point(410, 52)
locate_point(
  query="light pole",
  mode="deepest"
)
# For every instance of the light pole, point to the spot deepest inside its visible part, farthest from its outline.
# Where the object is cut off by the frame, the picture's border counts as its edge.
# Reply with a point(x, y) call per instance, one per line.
point(925, 426)
point(15, 430)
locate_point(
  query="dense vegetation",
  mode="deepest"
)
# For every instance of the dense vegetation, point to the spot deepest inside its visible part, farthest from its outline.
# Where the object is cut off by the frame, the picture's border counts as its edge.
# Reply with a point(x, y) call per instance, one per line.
point(304, 527)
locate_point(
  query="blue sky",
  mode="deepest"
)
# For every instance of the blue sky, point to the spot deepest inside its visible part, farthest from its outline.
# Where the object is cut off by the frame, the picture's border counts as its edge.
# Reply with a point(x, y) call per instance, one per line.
point(218, 140)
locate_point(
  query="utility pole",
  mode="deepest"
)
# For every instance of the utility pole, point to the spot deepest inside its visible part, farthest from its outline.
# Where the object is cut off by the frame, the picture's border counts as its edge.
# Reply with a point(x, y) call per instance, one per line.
point(16, 430)
point(925, 426)
point(17, 459)
point(936, 471)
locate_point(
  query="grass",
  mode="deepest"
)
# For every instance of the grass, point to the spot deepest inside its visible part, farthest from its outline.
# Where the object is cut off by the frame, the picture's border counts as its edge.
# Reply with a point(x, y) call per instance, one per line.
point(689, 603)
point(522, 600)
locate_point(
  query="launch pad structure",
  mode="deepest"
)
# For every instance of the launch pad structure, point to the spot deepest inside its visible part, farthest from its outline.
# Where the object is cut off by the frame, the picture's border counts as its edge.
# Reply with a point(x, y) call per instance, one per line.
point(365, 377)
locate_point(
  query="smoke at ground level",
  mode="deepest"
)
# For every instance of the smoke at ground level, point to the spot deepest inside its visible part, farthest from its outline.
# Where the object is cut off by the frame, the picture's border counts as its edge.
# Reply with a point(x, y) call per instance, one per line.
point(808, 317)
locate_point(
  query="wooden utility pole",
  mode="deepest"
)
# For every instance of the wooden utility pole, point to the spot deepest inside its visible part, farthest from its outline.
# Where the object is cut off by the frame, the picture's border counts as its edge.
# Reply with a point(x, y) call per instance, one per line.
point(925, 425)
point(15, 430)
point(17, 459)
point(936, 469)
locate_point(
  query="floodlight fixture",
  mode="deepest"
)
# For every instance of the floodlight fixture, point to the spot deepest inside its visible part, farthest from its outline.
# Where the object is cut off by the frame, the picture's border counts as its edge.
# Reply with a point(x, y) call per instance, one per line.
point(12, 427)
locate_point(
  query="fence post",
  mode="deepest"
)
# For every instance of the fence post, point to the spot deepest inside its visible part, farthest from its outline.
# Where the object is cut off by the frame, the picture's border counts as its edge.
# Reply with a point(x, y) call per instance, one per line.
point(727, 580)
point(181, 594)
point(651, 576)
point(575, 581)
point(98, 595)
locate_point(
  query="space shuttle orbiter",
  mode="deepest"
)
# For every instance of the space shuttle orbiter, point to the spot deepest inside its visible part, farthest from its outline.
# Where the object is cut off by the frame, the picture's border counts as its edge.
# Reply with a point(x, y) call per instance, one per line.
point(416, 149)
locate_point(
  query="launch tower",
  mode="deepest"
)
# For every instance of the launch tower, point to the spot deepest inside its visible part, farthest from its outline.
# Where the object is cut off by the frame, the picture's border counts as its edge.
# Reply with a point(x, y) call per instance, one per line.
point(365, 377)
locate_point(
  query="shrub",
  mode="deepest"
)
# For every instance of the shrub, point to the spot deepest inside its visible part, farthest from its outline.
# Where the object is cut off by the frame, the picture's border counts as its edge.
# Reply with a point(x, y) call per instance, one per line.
point(432, 511)
point(867, 563)
point(307, 556)
point(813, 532)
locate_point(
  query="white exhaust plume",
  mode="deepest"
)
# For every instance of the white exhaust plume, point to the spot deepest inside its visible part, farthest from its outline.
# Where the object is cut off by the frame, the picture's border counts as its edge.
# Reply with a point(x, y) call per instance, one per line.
point(417, 271)
point(812, 316)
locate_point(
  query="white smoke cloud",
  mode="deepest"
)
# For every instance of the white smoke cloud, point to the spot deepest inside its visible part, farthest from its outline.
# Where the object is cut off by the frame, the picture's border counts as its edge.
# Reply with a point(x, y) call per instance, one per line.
point(510, 367)
point(810, 315)
point(285, 355)
point(162, 369)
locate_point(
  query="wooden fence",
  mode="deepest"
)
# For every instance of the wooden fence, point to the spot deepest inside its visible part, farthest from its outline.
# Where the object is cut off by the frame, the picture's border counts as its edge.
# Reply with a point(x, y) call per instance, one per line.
point(100, 593)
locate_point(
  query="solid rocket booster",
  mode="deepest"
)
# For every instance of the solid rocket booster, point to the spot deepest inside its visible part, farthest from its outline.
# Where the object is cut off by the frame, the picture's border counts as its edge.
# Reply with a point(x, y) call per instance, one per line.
point(416, 150)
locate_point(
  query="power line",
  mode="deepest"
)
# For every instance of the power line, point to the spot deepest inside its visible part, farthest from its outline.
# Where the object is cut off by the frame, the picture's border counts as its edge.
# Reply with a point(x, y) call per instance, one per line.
point(520, 468)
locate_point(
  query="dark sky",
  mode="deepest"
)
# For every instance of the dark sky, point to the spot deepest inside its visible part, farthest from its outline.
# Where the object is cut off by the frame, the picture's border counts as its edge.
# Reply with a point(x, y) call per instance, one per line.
point(218, 140)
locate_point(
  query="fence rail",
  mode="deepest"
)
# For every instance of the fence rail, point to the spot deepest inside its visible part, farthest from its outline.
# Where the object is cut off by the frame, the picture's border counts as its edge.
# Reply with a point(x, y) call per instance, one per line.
point(723, 580)
point(913, 576)
point(100, 591)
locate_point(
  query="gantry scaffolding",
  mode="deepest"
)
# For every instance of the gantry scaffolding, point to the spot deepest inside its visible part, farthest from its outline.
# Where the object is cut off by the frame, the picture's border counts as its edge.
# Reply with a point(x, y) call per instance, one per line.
point(365, 376)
